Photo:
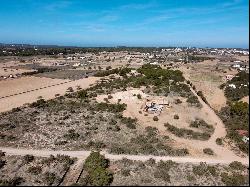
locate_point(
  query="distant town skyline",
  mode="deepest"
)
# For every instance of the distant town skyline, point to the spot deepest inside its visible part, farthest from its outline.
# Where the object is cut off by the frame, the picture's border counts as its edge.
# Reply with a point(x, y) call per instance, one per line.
point(145, 23)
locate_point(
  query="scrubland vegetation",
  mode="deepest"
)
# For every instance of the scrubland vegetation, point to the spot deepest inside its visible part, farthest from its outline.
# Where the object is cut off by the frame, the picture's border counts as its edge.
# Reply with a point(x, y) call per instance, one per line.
point(236, 117)
point(30, 170)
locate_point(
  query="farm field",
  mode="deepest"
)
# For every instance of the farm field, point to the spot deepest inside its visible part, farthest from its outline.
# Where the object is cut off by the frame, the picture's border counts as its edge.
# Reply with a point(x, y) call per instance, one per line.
point(35, 87)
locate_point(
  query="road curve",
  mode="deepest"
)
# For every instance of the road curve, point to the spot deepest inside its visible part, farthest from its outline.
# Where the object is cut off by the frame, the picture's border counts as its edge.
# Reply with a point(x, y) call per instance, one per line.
point(85, 154)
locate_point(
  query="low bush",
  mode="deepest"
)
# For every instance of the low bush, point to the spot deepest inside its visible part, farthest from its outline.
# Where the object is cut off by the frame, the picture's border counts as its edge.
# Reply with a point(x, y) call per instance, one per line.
point(200, 169)
point(208, 151)
point(234, 179)
point(35, 170)
point(139, 96)
point(28, 158)
point(193, 100)
point(176, 116)
point(71, 135)
point(155, 118)
point(2, 163)
point(186, 133)
point(49, 177)
point(219, 141)
point(235, 165)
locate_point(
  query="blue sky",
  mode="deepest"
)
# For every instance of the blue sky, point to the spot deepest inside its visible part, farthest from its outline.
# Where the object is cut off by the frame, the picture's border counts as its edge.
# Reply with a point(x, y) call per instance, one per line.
point(201, 23)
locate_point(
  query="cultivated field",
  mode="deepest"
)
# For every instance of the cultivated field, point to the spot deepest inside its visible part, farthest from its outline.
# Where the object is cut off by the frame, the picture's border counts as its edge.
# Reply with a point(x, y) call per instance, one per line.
point(17, 92)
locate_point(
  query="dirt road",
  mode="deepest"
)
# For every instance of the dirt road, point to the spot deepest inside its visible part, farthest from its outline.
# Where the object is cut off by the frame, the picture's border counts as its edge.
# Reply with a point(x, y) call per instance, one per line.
point(222, 152)
point(84, 154)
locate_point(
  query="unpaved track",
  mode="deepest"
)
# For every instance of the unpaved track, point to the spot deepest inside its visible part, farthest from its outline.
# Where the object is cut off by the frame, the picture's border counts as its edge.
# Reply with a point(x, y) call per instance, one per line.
point(81, 155)
point(222, 152)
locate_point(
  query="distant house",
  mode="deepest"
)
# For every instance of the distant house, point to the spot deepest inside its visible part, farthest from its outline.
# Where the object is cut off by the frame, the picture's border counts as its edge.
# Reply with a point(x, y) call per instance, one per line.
point(236, 66)
point(153, 63)
point(245, 139)
point(229, 77)
point(76, 64)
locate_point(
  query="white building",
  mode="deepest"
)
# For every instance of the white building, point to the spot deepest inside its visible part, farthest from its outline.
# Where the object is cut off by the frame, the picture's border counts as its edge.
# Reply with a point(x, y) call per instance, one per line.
point(232, 86)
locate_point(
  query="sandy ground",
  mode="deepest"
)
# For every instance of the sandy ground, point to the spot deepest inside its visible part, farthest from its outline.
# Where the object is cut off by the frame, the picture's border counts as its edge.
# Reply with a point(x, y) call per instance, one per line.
point(242, 58)
point(47, 93)
point(186, 114)
point(213, 94)
point(12, 86)
point(207, 79)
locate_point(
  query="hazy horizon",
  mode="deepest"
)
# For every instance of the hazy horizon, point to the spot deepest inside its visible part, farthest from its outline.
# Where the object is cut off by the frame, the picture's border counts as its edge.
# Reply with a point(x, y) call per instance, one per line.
point(149, 23)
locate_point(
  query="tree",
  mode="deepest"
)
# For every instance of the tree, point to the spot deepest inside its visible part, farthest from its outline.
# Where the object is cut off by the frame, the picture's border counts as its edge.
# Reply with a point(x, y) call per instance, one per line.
point(82, 94)
point(95, 160)
point(100, 177)
point(96, 166)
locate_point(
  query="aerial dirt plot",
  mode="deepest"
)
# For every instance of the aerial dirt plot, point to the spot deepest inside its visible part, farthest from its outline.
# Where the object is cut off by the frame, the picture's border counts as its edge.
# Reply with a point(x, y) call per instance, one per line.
point(28, 89)
point(23, 84)
point(186, 115)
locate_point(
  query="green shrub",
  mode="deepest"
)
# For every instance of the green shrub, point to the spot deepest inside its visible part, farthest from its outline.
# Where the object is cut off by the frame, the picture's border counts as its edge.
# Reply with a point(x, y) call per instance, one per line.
point(190, 178)
point(176, 116)
point(208, 151)
point(117, 150)
point(130, 122)
point(212, 170)
point(139, 96)
point(200, 169)
point(163, 169)
point(237, 165)
point(64, 159)
point(71, 135)
point(96, 166)
point(155, 118)
point(11, 182)
point(219, 141)
point(234, 179)
point(187, 133)
point(125, 172)
point(95, 160)
point(28, 158)
point(178, 101)
point(2, 163)
point(49, 178)
point(193, 100)
point(35, 170)
point(100, 177)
